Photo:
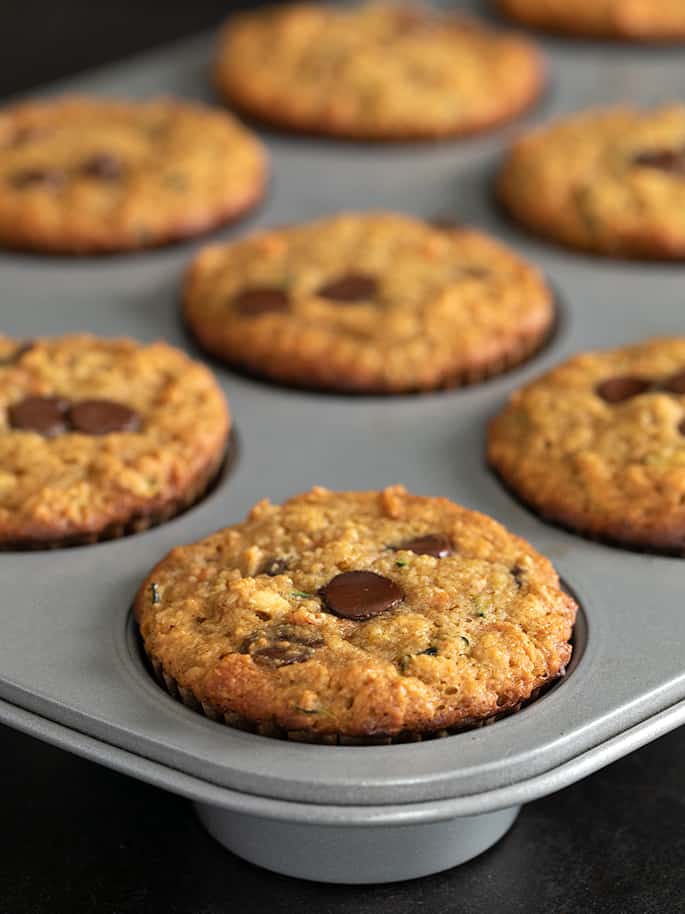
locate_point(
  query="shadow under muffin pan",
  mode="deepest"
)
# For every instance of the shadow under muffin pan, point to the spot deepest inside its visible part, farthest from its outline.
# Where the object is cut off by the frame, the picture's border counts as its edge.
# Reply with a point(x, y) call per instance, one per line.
point(70, 669)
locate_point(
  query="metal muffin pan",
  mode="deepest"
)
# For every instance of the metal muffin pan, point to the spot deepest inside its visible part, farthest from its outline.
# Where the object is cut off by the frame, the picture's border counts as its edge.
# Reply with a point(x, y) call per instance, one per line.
point(70, 666)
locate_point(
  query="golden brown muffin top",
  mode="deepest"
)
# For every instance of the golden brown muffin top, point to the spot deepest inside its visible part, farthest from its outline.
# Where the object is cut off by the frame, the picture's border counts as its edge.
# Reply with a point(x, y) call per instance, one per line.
point(93, 431)
point(607, 180)
point(376, 70)
point(88, 174)
point(358, 613)
point(599, 444)
point(366, 301)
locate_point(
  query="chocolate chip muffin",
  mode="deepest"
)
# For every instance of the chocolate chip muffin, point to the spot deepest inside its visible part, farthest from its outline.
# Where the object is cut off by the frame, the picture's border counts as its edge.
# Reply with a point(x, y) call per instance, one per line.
point(634, 20)
point(367, 303)
point(82, 175)
point(356, 617)
point(598, 445)
point(377, 71)
point(607, 181)
point(99, 438)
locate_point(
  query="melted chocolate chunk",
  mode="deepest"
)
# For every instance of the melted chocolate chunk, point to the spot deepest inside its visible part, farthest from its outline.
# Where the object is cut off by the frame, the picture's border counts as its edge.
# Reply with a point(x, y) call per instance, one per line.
point(668, 160)
point(360, 594)
point(274, 567)
point(350, 288)
point(103, 166)
point(435, 544)
point(36, 177)
point(282, 644)
point(444, 223)
point(260, 300)
point(675, 384)
point(28, 133)
point(411, 19)
point(518, 575)
point(681, 427)
point(101, 417)
point(45, 415)
point(615, 390)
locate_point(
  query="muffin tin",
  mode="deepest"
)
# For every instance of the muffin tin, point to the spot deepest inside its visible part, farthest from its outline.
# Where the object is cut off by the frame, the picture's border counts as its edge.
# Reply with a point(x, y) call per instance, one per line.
point(70, 667)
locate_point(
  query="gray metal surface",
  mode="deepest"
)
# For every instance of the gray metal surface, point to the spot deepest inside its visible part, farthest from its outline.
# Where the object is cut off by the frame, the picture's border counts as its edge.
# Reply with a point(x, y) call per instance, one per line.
point(356, 854)
point(68, 664)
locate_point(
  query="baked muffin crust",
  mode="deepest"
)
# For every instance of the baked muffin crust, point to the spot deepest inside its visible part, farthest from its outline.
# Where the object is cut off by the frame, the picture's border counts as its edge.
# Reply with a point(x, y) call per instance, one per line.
point(87, 175)
point(598, 445)
point(338, 614)
point(102, 436)
point(634, 20)
point(610, 181)
point(367, 303)
point(376, 71)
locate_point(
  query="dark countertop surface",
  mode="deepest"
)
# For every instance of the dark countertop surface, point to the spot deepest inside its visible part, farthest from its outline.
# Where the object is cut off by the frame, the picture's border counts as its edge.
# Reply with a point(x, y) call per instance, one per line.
point(77, 838)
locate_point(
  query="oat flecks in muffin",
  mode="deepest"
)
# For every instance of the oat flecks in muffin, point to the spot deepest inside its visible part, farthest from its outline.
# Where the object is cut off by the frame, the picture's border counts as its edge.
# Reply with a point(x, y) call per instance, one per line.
point(377, 71)
point(372, 302)
point(610, 181)
point(101, 432)
point(637, 20)
point(598, 445)
point(82, 175)
point(356, 635)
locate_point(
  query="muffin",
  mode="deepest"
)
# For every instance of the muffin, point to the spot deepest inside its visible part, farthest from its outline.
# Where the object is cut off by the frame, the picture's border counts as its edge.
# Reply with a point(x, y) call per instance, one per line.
point(608, 181)
point(356, 617)
point(376, 71)
point(102, 437)
point(598, 445)
point(629, 20)
point(376, 303)
point(83, 175)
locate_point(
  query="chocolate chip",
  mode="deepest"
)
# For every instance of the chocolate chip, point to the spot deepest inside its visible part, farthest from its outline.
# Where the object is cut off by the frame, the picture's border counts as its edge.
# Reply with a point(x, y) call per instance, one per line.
point(435, 544)
point(29, 133)
point(103, 166)
point(675, 384)
point(101, 417)
point(411, 19)
point(444, 223)
point(518, 575)
point(350, 288)
point(274, 567)
point(615, 390)
point(360, 594)
point(15, 356)
point(35, 177)
point(282, 644)
point(681, 427)
point(668, 160)
point(45, 415)
point(475, 272)
point(260, 300)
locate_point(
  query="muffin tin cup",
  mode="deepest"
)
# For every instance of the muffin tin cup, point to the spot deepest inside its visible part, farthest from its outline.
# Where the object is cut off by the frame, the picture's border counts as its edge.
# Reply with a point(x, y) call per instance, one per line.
point(71, 670)
point(356, 854)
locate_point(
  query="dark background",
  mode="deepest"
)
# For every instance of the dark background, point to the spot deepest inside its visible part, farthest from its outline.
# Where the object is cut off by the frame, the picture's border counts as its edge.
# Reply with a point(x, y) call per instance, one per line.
point(41, 40)
point(75, 837)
